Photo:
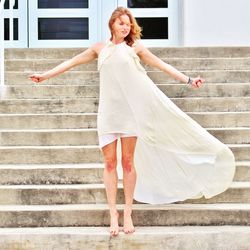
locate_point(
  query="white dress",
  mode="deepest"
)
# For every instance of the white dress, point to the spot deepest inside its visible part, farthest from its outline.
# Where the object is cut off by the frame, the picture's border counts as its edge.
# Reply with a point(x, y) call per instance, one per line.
point(175, 158)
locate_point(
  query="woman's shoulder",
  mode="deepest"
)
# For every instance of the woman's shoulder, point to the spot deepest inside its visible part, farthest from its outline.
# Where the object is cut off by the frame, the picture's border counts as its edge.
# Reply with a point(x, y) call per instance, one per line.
point(97, 47)
point(138, 46)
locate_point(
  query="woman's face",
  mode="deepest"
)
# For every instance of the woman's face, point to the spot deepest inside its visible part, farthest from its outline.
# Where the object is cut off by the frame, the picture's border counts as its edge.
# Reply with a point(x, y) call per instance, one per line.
point(121, 26)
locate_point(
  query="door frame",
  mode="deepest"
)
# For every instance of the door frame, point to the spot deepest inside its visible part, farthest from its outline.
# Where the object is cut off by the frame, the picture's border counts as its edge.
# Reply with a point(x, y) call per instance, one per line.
point(91, 13)
point(98, 13)
point(21, 15)
point(173, 14)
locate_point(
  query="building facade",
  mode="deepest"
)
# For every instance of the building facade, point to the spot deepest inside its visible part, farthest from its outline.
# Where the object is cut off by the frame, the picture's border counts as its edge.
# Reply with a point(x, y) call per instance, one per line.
point(80, 23)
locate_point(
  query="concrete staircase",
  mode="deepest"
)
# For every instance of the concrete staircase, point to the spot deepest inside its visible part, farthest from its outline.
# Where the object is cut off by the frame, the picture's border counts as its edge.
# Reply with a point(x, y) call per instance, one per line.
point(51, 191)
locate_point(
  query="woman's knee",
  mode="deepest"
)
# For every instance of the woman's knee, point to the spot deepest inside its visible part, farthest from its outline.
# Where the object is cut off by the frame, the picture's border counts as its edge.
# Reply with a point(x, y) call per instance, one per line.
point(127, 162)
point(110, 163)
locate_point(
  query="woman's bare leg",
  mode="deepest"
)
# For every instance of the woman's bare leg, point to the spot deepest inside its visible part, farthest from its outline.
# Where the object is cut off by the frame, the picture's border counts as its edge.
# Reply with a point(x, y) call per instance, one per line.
point(110, 178)
point(129, 180)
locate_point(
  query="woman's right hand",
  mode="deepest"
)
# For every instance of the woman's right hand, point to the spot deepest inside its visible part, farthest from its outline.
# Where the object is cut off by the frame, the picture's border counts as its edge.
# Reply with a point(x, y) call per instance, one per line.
point(37, 77)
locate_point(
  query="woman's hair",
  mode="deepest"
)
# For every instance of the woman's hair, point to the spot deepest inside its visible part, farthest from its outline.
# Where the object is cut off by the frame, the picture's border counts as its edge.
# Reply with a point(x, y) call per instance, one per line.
point(135, 31)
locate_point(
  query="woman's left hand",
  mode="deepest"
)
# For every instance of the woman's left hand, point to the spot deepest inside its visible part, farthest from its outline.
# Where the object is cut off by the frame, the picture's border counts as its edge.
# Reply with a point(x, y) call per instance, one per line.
point(197, 82)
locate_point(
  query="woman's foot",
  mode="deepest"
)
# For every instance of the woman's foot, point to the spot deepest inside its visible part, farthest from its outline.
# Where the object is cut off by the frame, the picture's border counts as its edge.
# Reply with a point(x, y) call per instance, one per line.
point(128, 226)
point(114, 225)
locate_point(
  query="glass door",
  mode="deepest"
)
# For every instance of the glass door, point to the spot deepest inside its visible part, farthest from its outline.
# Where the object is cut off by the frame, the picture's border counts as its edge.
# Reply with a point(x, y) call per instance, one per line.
point(158, 18)
point(19, 24)
point(80, 23)
point(63, 23)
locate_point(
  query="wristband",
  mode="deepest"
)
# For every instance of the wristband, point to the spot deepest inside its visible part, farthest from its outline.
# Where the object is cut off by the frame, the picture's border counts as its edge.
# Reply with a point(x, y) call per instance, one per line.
point(189, 81)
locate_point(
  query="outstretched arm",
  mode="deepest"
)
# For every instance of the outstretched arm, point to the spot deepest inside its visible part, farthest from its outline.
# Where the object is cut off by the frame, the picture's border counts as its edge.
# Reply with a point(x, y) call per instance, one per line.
point(149, 58)
point(85, 57)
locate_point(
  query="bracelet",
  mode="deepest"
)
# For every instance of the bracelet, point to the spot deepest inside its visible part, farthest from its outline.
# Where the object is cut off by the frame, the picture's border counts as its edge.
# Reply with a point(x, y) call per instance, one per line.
point(190, 81)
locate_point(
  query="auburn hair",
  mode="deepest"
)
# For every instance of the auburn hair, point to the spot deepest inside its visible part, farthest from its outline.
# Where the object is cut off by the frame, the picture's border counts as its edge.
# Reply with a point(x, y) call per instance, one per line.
point(135, 31)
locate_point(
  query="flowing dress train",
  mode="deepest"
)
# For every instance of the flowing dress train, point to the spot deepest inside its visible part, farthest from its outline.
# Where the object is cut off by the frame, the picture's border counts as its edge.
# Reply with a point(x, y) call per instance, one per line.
point(175, 158)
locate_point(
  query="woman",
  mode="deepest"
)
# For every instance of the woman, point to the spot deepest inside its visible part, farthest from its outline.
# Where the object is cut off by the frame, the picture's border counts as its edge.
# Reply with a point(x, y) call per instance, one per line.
point(175, 158)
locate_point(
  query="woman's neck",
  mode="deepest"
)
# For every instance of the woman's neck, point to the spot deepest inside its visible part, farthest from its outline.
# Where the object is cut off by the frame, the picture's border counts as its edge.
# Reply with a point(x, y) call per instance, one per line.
point(117, 40)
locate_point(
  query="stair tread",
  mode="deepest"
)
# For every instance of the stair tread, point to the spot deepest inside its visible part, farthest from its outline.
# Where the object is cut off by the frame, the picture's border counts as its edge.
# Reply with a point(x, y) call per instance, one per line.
point(53, 130)
point(235, 184)
point(96, 98)
point(53, 166)
point(74, 166)
point(49, 147)
point(94, 113)
point(70, 98)
point(88, 146)
point(101, 207)
point(97, 85)
point(50, 130)
point(179, 58)
point(156, 70)
point(147, 230)
point(60, 114)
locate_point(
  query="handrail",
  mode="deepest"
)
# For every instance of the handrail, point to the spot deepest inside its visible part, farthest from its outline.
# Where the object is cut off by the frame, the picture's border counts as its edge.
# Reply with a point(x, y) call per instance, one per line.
point(11, 7)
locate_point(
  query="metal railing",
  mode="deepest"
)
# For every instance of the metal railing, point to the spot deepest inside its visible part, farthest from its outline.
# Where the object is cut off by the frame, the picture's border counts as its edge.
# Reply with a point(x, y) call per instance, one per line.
point(11, 6)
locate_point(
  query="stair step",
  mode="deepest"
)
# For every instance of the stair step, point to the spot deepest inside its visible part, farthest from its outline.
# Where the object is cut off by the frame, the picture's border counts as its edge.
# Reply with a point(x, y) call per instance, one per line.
point(143, 215)
point(39, 174)
point(146, 238)
point(90, 105)
point(239, 192)
point(221, 119)
point(67, 78)
point(50, 154)
point(240, 151)
point(92, 77)
point(77, 154)
point(77, 137)
point(210, 76)
point(213, 104)
point(54, 174)
point(88, 120)
point(62, 137)
point(80, 91)
point(173, 52)
point(184, 64)
point(49, 106)
point(180, 63)
point(44, 64)
point(51, 121)
point(231, 135)
point(242, 172)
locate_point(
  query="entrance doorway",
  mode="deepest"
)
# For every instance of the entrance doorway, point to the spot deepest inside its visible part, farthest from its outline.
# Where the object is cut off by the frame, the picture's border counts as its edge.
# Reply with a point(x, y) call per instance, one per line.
point(80, 23)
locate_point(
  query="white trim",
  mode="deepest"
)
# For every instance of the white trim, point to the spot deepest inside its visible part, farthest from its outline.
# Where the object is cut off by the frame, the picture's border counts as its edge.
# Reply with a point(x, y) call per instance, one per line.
point(172, 12)
point(21, 15)
point(106, 11)
point(98, 13)
point(34, 13)
point(1, 47)
point(158, 12)
point(2, 54)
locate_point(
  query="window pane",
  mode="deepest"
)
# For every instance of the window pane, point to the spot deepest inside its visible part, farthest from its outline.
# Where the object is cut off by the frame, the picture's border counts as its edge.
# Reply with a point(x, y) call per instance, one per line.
point(63, 28)
point(148, 3)
point(7, 4)
point(47, 4)
point(153, 27)
point(7, 29)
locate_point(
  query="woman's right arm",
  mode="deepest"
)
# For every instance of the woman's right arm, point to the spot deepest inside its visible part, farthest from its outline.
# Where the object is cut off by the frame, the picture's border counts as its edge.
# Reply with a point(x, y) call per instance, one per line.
point(85, 57)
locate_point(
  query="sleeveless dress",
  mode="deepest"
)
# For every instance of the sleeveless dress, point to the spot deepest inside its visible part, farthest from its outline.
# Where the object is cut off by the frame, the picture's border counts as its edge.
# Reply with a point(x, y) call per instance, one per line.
point(175, 158)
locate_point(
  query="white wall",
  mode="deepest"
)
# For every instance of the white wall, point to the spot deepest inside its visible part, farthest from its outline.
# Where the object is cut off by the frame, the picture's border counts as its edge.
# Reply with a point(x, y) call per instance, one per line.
point(216, 23)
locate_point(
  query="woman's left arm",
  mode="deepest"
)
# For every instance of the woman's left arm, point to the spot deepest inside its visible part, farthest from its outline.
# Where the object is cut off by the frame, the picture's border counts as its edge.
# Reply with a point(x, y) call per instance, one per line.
point(149, 58)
